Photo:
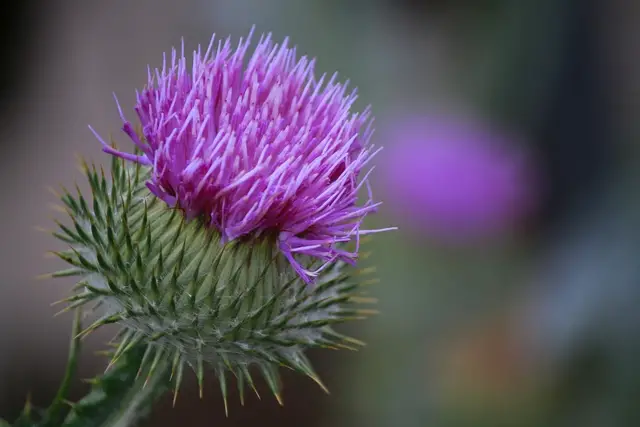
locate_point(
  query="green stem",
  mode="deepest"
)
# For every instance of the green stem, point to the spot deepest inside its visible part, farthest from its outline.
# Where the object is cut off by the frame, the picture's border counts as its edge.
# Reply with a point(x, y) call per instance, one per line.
point(55, 414)
point(121, 395)
point(118, 398)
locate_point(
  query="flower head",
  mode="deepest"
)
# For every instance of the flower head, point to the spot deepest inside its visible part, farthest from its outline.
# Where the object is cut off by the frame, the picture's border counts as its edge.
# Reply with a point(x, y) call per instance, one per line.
point(256, 149)
point(456, 178)
point(242, 189)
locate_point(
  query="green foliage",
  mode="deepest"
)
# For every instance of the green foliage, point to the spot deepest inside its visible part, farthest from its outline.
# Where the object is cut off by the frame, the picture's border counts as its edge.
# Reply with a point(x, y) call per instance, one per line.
point(119, 397)
point(55, 414)
point(190, 300)
point(26, 419)
point(122, 395)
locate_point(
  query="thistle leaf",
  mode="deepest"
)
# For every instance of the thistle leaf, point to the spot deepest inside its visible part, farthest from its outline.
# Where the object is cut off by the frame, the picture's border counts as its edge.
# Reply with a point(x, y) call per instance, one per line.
point(119, 394)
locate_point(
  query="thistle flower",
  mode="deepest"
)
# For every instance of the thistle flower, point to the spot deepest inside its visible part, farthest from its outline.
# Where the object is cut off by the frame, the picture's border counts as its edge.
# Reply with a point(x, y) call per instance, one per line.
point(258, 149)
point(455, 178)
point(241, 190)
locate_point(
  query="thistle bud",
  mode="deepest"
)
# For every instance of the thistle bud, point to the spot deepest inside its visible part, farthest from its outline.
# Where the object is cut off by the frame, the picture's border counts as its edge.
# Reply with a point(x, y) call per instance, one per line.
point(228, 240)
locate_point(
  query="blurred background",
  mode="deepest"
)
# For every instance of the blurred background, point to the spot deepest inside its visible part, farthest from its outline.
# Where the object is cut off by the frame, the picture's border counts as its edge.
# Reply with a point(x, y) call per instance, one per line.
point(510, 295)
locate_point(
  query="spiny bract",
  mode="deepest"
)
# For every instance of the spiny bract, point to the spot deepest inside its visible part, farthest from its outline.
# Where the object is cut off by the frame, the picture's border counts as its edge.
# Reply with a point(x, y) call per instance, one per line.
point(171, 283)
point(255, 148)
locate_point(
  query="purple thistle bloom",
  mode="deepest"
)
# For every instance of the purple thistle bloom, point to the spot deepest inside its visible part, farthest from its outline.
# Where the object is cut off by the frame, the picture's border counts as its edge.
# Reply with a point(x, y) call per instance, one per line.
point(256, 149)
point(457, 179)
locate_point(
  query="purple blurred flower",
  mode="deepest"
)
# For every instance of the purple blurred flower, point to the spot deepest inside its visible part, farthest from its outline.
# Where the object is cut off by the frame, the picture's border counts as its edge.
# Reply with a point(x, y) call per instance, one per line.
point(455, 178)
point(256, 149)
